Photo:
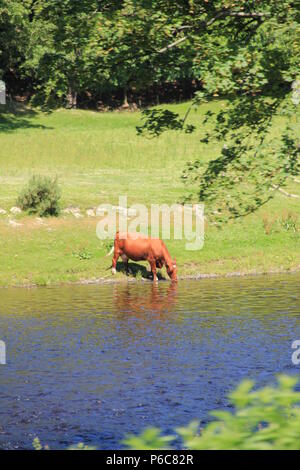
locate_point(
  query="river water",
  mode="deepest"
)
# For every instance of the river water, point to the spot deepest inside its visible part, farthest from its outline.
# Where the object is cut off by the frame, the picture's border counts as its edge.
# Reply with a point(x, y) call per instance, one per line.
point(94, 363)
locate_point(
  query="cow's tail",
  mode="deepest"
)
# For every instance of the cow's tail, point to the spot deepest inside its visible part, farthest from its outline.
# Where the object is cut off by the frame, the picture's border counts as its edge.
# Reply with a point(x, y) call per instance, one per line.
point(111, 251)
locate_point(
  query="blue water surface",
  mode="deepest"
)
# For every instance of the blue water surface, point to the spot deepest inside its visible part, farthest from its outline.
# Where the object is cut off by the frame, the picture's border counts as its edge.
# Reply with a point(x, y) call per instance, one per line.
point(94, 363)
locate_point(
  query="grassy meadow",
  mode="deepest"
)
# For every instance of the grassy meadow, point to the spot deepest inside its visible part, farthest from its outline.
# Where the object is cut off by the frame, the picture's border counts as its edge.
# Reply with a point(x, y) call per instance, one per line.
point(97, 157)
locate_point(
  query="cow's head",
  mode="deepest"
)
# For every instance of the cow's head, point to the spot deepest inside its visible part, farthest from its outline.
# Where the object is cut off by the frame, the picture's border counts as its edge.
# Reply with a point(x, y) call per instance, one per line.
point(172, 270)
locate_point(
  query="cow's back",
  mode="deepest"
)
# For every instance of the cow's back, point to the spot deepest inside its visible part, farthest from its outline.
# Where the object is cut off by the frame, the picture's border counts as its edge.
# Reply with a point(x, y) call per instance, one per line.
point(139, 247)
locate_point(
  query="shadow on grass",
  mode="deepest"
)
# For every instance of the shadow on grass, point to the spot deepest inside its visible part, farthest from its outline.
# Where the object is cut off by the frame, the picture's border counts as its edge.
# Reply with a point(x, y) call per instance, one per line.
point(138, 270)
point(14, 117)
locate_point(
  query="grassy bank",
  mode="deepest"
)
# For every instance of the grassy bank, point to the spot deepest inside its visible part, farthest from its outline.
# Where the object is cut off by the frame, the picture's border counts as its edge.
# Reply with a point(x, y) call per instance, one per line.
point(97, 157)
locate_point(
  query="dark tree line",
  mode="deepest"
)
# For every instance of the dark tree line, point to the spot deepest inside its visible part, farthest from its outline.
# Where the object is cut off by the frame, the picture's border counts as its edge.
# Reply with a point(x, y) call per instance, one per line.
point(88, 51)
point(84, 52)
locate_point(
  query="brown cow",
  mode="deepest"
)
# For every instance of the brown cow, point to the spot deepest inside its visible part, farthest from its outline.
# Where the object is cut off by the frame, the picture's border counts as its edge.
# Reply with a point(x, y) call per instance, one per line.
point(138, 247)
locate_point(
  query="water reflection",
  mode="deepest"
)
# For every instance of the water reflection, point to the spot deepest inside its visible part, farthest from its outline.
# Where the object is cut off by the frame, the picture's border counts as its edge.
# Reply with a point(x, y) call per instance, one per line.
point(95, 362)
point(153, 299)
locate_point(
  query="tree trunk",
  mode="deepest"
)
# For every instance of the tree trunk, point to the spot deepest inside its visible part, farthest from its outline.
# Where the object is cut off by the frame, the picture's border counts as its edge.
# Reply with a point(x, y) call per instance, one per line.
point(125, 102)
point(72, 99)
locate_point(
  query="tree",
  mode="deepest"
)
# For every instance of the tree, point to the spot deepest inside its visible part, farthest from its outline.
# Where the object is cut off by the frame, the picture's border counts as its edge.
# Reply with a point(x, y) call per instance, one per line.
point(13, 38)
point(127, 44)
point(94, 47)
point(60, 36)
point(247, 52)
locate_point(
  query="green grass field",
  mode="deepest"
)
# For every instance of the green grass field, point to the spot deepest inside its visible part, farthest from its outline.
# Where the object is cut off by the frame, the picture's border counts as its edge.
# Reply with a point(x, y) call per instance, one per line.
point(97, 157)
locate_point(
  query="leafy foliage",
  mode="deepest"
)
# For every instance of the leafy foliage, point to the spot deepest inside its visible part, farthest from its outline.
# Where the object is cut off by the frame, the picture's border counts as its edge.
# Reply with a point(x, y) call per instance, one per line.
point(253, 61)
point(37, 444)
point(81, 446)
point(82, 254)
point(250, 167)
point(41, 196)
point(14, 31)
point(264, 419)
point(58, 50)
point(159, 120)
point(246, 51)
point(150, 439)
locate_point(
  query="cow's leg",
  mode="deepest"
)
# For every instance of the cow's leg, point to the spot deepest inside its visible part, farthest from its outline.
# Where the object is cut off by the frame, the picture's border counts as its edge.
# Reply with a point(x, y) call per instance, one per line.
point(114, 260)
point(159, 263)
point(125, 261)
point(153, 269)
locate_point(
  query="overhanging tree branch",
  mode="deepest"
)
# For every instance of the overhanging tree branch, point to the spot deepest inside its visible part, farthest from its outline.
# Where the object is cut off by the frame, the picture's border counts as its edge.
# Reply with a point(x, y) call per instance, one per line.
point(277, 188)
point(205, 24)
point(173, 44)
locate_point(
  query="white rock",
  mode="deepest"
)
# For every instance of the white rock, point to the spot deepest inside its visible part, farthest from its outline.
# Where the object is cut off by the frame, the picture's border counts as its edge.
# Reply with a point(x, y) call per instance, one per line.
point(102, 210)
point(2, 212)
point(131, 212)
point(123, 210)
point(15, 210)
point(90, 213)
point(73, 210)
point(13, 223)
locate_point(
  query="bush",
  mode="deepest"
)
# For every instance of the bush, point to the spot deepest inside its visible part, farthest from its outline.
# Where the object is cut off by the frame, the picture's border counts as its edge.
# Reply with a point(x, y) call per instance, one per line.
point(41, 196)
point(265, 419)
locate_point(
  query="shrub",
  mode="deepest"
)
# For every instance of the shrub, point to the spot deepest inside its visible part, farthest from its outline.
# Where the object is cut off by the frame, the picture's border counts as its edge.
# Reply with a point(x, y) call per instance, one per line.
point(268, 224)
point(82, 254)
point(41, 196)
point(289, 222)
point(265, 419)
